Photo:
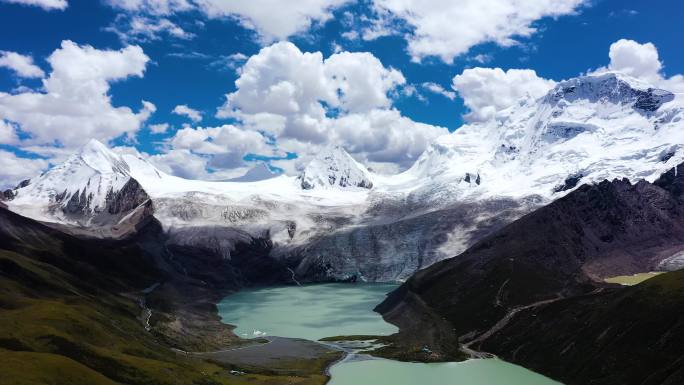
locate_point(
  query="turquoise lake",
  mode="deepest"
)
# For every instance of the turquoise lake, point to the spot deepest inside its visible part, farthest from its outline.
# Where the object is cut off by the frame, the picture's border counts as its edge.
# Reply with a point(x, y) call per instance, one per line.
point(324, 310)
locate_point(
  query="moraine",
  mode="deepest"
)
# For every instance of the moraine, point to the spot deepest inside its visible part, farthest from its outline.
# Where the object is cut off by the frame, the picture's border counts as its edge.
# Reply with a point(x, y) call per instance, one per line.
point(324, 310)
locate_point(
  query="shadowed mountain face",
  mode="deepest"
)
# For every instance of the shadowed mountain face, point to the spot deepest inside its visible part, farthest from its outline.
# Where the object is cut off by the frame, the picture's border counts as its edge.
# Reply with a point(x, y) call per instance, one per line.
point(100, 264)
point(550, 257)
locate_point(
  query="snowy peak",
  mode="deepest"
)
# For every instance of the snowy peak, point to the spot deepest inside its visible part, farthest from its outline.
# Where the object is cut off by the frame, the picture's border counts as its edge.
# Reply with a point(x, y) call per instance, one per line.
point(334, 167)
point(612, 87)
point(101, 159)
point(94, 185)
point(585, 130)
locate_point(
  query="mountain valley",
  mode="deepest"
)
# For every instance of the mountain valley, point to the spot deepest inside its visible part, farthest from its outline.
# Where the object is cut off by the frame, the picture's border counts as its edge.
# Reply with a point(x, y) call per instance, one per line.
point(499, 230)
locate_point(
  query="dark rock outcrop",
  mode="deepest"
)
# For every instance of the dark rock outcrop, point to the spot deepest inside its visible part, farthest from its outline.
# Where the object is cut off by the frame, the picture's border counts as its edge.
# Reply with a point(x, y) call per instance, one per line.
point(570, 182)
point(128, 198)
point(117, 203)
point(7, 195)
point(673, 181)
point(10, 194)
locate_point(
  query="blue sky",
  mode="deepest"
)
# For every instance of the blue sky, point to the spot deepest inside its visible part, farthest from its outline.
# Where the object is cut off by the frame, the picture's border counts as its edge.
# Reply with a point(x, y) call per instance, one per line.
point(198, 64)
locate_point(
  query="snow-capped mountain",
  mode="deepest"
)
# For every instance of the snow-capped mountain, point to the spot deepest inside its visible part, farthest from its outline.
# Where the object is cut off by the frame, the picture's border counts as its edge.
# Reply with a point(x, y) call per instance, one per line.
point(334, 167)
point(92, 187)
point(339, 220)
point(584, 130)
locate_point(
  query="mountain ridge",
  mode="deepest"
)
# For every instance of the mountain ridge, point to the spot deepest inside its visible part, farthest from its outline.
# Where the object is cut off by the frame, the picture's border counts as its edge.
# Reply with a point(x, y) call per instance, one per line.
point(464, 186)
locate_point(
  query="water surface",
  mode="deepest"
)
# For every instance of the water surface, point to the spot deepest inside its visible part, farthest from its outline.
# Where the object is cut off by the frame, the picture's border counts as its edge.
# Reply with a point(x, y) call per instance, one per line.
point(325, 310)
point(311, 311)
point(472, 372)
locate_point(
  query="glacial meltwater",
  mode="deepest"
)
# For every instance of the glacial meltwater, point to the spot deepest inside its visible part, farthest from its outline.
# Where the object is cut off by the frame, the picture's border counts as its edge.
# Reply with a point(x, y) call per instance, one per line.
point(326, 310)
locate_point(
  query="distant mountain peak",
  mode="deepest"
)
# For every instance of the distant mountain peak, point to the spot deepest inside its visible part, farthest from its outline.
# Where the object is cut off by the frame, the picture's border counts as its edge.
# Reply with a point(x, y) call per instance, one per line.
point(334, 167)
point(585, 130)
point(94, 184)
point(260, 171)
point(613, 87)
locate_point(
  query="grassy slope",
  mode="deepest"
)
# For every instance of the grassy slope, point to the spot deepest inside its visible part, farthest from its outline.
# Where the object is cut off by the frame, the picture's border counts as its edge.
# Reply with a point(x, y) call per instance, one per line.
point(67, 316)
point(43, 312)
point(632, 335)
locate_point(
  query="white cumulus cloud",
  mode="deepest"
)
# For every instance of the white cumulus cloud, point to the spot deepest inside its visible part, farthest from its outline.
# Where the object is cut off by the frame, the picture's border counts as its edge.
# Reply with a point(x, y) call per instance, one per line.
point(22, 65)
point(439, 90)
point(14, 169)
point(182, 163)
point(271, 19)
point(75, 105)
point(215, 153)
point(159, 128)
point(157, 7)
point(448, 29)
point(226, 139)
point(632, 58)
point(643, 62)
point(144, 29)
point(305, 101)
point(8, 133)
point(190, 113)
point(485, 91)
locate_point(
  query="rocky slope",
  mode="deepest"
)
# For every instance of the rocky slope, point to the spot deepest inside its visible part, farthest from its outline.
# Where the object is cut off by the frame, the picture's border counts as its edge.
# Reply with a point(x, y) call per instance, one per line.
point(337, 220)
point(552, 262)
